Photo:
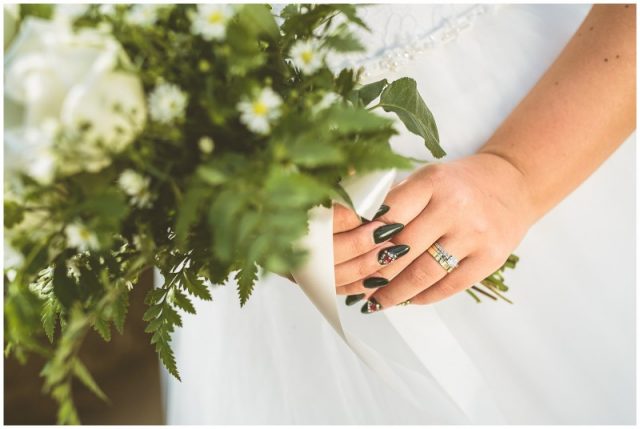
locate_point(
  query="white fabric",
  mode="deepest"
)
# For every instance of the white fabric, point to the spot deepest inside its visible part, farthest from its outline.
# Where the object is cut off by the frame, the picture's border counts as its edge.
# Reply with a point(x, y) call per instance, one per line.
point(564, 353)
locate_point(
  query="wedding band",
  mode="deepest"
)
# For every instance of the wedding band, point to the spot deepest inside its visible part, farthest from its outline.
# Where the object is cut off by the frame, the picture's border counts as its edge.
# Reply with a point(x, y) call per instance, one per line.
point(444, 258)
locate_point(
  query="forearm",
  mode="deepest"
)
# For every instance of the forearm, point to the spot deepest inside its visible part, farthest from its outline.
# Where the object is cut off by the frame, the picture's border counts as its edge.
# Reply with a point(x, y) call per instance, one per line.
point(579, 112)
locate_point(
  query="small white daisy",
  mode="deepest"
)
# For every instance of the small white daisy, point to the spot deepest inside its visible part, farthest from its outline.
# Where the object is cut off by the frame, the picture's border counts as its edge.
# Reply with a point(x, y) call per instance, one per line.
point(167, 102)
point(206, 145)
point(259, 113)
point(210, 20)
point(137, 187)
point(81, 237)
point(307, 55)
point(144, 15)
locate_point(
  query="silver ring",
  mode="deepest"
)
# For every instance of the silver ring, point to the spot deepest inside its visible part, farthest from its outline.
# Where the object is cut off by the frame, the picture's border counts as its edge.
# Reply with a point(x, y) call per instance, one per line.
point(444, 258)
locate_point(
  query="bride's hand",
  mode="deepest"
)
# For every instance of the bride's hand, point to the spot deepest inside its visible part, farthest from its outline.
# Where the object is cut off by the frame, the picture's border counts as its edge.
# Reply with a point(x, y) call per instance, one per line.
point(477, 208)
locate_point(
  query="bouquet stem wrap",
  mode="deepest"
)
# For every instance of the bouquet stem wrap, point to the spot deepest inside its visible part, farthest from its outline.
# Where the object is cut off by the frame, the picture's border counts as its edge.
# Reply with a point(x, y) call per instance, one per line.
point(446, 366)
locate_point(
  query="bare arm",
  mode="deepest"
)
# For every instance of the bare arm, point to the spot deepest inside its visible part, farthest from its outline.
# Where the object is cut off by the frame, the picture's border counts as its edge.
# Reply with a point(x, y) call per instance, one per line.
point(479, 207)
point(579, 112)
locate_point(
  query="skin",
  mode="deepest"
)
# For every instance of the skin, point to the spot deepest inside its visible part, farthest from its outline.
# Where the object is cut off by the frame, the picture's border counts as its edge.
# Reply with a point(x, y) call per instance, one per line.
point(480, 207)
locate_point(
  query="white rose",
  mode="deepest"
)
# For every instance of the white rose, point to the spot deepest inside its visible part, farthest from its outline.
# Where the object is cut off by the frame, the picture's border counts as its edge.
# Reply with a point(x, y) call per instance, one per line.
point(11, 18)
point(55, 75)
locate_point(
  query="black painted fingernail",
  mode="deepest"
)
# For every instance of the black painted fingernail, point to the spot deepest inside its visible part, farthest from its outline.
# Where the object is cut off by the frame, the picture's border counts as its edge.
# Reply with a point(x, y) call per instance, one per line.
point(390, 254)
point(374, 282)
point(352, 299)
point(385, 232)
point(371, 306)
point(382, 210)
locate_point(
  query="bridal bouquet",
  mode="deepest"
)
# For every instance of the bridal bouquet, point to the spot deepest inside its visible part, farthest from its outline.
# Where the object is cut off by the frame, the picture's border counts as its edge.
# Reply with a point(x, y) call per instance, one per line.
point(191, 138)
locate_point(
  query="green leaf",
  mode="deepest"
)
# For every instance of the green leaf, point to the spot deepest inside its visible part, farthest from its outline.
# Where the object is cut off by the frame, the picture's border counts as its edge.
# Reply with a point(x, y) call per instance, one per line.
point(259, 18)
point(183, 301)
point(346, 120)
point(195, 286)
point(152, 312)
point(155, 295)
point(192, 204)
point(211, 175)
point(64, 288)
point(344, 42)
point(154, 325)
point(350, 11)
point(49, 317)
point(83, 374)
point(402, 98)
point(103, 327)
point(246, 278)
point(367, 93)
point(120, 308)
point(168, 359)
point(309, 153)
point(13, 213)
point(44, 11)
point(171, 315)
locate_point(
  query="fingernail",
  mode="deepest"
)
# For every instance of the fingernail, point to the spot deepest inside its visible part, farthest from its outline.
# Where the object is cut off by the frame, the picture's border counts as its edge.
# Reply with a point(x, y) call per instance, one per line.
point(371, 306)
point(390, 254)
point(352, 299)
point(382, 210)
point(385, 232)
point(374, 282)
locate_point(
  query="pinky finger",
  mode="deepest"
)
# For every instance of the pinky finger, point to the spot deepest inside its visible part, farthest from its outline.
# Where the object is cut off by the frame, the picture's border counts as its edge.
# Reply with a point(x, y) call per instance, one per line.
point(466, 275)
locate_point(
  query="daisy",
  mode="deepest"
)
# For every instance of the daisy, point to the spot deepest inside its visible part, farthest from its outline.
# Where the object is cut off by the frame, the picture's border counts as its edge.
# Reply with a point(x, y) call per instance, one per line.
point(81, 237)
point(144, 15)
point(210, 20)
point(307, 55)
point(137, 187)
point(259, 113)
point(167, 102)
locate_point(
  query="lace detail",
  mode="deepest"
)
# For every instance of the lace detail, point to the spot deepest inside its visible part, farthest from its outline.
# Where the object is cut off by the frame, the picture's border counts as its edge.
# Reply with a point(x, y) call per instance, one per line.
point(402, 33)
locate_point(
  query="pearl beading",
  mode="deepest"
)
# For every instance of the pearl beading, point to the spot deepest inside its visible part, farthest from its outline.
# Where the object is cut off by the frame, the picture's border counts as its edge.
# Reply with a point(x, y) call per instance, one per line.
point(408, 49)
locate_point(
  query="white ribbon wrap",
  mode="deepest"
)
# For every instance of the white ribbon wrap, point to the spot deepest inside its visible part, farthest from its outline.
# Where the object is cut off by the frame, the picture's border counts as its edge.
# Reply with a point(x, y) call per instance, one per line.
point(446, 365)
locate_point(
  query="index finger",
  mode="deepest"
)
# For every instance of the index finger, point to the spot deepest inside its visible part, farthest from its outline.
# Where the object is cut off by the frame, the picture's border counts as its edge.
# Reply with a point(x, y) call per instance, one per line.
point(344, 219)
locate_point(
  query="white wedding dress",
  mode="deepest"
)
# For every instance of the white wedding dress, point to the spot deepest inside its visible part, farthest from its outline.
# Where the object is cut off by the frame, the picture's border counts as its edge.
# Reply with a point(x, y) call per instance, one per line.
point(564, 353)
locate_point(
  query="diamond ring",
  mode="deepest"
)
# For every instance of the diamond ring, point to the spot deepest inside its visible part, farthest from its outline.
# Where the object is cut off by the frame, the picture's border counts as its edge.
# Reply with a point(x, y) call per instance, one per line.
point(444, 258)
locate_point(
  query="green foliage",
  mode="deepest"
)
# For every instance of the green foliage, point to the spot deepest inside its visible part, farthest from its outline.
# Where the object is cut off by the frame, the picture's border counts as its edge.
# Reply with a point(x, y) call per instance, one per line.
point(237, 208)
point(246, 278)
point(402, 98)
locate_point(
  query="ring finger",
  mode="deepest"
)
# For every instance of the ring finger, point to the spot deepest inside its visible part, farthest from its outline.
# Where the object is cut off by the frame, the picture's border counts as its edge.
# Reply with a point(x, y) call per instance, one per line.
point(423, 272)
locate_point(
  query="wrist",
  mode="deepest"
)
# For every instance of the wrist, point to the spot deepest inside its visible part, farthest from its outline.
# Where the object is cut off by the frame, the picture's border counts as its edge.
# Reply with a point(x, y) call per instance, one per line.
point(512, 181)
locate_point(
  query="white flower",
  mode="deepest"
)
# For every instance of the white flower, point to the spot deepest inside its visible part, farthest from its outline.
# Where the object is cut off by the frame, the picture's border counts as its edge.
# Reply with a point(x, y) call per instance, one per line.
point(259, 113)
point(144, 15)
point(137, 187)
point(81, 237)
point(210, 20)
point(206, 145)
point(46, 83)
point(11, 18)
point(307, 55)
point(167, 102)
point(73, 267)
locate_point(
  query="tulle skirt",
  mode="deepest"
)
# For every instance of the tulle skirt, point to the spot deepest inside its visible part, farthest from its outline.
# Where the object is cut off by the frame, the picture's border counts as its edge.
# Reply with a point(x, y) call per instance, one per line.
point(564, 353)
